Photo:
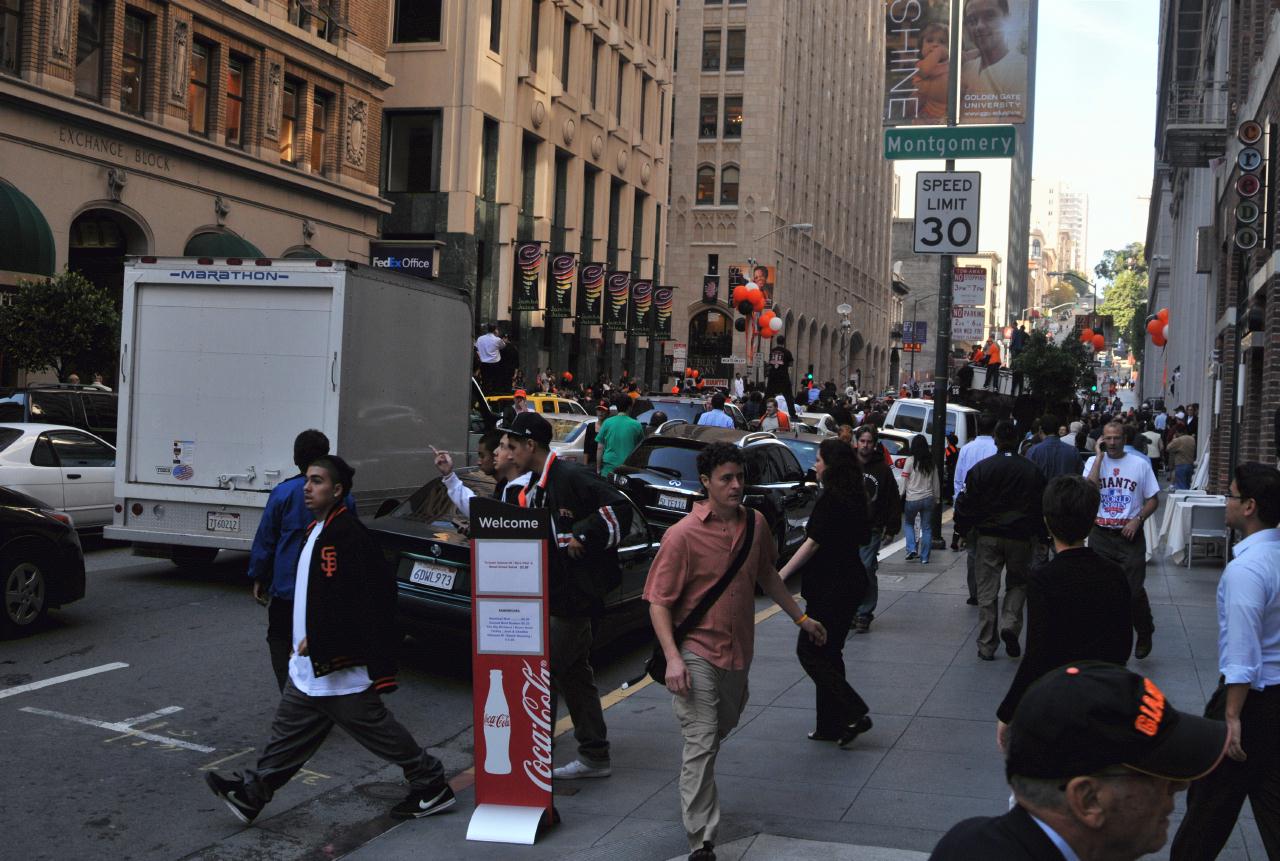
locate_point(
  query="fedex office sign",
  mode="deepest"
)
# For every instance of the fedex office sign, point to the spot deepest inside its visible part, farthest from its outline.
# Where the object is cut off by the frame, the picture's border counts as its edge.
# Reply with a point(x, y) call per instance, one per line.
point(416, 260)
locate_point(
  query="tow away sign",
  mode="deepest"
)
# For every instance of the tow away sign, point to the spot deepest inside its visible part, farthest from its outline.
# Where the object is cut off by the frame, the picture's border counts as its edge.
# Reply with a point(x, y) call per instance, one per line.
point(947, 212)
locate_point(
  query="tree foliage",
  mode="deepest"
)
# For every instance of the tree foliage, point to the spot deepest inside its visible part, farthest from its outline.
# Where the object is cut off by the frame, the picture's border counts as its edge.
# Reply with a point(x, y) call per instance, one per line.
point(1053, 371)
point(1114, 261)
point(1126, 296)
point(65, 323)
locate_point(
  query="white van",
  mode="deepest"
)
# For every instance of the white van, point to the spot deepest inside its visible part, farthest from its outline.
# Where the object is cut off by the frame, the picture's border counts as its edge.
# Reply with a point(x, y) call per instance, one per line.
point(916, 415)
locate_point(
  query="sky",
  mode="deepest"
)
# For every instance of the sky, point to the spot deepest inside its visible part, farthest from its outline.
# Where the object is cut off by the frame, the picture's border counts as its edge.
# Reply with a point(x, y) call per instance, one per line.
point(1095, 107)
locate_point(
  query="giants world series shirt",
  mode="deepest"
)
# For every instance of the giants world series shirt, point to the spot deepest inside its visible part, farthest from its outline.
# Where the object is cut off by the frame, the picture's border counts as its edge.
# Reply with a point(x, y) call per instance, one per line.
point(1127, 483)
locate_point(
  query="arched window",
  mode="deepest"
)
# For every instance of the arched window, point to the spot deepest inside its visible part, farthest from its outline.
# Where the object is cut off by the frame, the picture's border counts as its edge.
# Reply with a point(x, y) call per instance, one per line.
point(706, 195)
point(729, 185)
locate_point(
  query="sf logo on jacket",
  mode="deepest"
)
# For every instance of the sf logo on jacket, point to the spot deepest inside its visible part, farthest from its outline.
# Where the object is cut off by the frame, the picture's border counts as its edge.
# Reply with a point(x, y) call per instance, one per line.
point(329, 560)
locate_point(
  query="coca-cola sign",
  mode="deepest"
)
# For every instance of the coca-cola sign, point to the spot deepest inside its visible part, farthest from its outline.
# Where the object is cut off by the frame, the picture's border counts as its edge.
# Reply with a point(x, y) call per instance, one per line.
point(535, 698)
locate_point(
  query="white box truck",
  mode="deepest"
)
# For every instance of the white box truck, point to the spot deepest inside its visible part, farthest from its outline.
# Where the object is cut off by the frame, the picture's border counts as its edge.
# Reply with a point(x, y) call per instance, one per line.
point(224, 361)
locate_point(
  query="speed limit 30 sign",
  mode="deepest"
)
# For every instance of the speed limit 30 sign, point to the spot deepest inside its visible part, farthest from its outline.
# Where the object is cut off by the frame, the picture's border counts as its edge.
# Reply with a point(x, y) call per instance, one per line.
point(947, 213)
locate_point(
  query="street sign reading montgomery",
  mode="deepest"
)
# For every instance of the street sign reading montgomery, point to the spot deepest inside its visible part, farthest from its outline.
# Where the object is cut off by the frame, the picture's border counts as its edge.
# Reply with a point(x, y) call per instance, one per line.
point(942, 142)
point(947, 212)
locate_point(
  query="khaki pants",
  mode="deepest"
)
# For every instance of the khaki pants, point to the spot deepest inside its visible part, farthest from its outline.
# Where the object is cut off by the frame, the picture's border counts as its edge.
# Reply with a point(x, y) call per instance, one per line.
point(708, 714)
point(1013, 556)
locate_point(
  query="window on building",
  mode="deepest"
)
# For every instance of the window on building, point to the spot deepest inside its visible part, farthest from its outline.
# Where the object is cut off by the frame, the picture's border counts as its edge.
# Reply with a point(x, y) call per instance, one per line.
point(413, 152)
point(560, 205)
point(495, 26)
point(535, 32)
point(637, 231)
point(289, 122)
point(10, 36)
point(735, 58)
point(711, 50)
point(596, 47)
point(737, 2)
point(712, 2)
point(198, 90)
point(89, 49)
point(666, 32)
point(133, 65)
point(489, 160)
point(617, 102)
point(417, 21)
point(706, 192)
point(566, 52)
point(708, 117)
point(643, 120)
point(733, 116)
point(589, 175)
point(729, 185)
point(615, 218)
point(528, 174)
point(320, 112)
point(299, 16)
point(235, 102)
point(662, 112)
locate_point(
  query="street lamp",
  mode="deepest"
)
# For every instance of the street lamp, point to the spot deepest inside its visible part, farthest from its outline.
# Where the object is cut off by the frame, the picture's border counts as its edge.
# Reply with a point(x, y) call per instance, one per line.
point(803, 225)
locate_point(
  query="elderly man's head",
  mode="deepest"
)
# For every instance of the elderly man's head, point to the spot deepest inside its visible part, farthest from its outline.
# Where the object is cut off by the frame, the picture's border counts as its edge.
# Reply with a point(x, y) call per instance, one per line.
point(1098, 754)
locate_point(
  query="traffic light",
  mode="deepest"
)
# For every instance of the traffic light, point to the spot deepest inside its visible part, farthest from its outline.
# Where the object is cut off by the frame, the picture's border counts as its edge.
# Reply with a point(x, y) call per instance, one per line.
point(809, 376)
point(1249, 183)
point(1094, 388)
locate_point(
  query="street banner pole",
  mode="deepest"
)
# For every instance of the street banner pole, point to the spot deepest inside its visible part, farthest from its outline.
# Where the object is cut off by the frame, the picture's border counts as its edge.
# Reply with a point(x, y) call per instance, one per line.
point(511, 673)
point(942, 359)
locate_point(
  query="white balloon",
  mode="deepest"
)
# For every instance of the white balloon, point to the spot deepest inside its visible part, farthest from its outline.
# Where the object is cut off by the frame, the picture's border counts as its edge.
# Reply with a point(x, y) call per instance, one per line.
point(751, 285)
point(1164, 331)
point(776, 324)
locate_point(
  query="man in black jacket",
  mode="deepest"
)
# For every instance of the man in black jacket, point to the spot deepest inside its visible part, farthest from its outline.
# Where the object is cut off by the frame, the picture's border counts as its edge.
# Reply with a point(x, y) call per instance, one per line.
point(344, 639)
point(884, 504)
point(1097, 755)
point(1001, 500)
point(589, 518)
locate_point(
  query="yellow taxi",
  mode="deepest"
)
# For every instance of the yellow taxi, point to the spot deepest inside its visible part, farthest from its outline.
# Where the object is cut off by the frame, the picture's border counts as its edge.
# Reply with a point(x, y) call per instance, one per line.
point(540, 401)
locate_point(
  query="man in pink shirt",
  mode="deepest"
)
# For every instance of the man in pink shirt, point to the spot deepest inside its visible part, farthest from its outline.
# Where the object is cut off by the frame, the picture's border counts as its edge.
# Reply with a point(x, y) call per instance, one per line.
point(707, 671)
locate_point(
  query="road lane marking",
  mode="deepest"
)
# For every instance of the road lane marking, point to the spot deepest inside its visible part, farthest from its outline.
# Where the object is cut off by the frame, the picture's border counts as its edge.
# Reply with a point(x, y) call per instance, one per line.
point(57, 680)
point(217, 762)
point(121, 728)
point(167, 710)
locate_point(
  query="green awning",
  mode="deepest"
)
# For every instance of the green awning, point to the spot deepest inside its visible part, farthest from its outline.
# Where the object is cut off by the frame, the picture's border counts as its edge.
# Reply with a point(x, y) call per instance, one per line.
point(303, 252)
point(220, 244)
point(28, 242)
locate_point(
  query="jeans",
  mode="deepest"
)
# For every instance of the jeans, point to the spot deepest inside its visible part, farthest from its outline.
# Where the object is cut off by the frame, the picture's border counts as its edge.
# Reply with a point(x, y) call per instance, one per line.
point(1182, 475)
point(869, 553)
point(922, 508)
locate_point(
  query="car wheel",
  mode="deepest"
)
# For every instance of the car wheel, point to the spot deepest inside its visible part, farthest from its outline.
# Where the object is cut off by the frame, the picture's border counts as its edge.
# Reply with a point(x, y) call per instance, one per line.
point(25, 589)
point(191, 558)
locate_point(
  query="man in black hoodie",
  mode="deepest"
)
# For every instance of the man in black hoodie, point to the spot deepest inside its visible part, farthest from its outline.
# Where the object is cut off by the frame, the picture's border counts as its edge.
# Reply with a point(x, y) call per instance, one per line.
point(1002, 501)
point(344, 639)
point(884, 504)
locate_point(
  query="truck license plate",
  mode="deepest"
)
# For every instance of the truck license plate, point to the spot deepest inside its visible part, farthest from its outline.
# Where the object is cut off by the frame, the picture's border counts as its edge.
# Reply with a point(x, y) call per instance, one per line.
point(674, 503)
point(224, 521)
point(435, 576)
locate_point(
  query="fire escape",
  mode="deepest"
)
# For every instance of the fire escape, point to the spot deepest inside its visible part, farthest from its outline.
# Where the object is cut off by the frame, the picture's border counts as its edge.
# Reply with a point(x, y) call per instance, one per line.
point(1196, 113)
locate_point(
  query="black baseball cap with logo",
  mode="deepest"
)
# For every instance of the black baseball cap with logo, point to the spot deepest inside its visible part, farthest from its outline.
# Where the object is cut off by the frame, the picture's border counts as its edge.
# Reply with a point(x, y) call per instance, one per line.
point(1082, 718)
point(530, 426)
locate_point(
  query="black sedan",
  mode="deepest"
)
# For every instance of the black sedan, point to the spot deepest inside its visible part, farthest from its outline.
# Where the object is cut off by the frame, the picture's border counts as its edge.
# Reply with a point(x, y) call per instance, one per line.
point(41, 563)
point(424, 538)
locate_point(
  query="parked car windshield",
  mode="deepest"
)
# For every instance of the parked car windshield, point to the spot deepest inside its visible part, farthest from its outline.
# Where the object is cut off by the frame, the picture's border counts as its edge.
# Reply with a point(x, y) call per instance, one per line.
point(563, 430)
point(684, 410)
point(431, 504)
point(659, 455)
point(806, 451)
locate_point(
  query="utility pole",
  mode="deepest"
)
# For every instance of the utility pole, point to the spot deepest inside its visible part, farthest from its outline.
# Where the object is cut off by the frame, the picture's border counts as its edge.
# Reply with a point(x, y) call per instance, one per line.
point(942, 361)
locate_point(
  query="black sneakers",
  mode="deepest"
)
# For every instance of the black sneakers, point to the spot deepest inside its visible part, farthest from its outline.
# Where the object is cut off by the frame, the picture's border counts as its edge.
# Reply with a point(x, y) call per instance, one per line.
point(853, 730)
point(232, 794)
point(1011, 645)
point(418, 804)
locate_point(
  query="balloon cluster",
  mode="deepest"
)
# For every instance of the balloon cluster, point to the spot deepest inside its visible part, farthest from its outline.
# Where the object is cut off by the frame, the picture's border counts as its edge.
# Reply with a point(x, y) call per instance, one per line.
point(568, 377)
point(749, 300)
point(691, 373)
point(1158, 327)
point(1093, 339)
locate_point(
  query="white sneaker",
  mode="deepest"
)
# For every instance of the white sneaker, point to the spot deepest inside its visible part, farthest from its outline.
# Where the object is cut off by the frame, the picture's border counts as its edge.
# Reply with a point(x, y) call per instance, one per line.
point(579, 769)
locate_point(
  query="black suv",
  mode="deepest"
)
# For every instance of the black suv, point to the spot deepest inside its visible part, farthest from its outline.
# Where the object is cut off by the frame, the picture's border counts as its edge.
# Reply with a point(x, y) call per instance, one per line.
point(661, 475)
point(686, 409)
point(86, 407)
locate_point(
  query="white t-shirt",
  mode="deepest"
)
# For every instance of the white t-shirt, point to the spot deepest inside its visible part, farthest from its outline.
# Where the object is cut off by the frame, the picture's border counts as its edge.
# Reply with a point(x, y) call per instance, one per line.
point(351, 680)
point(1127, 483)
point(489, 346)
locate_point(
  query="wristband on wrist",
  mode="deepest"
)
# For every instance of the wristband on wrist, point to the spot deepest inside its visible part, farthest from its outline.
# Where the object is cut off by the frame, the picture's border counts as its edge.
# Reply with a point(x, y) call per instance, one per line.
point(804, 617)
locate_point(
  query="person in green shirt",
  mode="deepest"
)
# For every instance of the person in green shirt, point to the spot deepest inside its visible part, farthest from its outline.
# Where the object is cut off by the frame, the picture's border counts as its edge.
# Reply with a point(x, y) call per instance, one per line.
point(618, 437)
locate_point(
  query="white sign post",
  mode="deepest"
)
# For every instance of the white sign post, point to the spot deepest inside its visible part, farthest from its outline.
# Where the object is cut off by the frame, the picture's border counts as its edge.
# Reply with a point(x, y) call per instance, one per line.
point(947, 212)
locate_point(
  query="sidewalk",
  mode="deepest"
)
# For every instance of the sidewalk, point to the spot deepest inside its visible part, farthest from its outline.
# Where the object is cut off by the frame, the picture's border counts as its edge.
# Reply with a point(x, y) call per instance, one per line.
point(929, 762)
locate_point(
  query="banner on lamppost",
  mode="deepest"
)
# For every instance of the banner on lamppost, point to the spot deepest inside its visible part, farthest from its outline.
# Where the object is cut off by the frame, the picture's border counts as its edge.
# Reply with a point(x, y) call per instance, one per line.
point(590, 292)
point(528, 274)
point(641, 321)
point(997, 59)
point(711, 289)
point(564, 272)
point(663, 304)
point(916, 65)
point(617, 292)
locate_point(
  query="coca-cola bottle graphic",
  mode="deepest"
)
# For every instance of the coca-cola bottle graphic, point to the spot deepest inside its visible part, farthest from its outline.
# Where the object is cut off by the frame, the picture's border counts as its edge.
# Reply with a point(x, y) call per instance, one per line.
point(497, 727)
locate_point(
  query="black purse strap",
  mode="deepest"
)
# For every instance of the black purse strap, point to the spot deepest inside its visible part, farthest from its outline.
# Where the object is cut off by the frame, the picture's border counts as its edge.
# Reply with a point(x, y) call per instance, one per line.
point(688, 623)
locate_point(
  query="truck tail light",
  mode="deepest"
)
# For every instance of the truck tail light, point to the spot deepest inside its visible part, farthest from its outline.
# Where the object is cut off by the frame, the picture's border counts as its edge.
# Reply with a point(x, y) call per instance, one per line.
point(136, 509)
point(262, 261)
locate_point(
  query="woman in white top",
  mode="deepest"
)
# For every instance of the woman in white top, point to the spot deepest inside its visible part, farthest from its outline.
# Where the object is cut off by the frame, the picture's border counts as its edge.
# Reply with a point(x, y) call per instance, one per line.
point(921, 490)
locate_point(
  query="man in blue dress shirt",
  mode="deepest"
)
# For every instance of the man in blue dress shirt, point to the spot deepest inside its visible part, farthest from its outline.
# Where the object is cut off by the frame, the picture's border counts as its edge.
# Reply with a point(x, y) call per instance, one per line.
point(1248, 694)
point(716, 416)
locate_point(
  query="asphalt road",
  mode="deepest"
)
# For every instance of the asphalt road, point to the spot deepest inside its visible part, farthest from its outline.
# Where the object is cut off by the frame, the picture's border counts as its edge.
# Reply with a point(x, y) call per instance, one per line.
point(110, 764)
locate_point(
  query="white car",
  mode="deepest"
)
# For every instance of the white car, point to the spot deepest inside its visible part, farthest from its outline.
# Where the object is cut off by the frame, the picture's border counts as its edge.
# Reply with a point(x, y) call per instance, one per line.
point(70, 470)
point(568, 433)
point(820, 423)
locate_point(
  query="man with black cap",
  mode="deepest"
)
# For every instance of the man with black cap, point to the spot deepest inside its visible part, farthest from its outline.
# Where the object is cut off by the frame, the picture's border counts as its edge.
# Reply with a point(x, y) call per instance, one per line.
point(588, 518)
point(1096, 755)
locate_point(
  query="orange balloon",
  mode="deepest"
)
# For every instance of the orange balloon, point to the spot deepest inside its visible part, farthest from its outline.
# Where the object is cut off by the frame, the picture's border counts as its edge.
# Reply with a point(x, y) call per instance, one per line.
point(1163, 314)
point(1158, 340)
point(1154, 327)
point(1086, 335)
point(1099, 342)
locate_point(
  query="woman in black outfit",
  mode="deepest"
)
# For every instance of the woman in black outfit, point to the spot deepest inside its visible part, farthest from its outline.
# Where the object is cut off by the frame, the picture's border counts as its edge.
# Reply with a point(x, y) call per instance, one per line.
point(833, 585)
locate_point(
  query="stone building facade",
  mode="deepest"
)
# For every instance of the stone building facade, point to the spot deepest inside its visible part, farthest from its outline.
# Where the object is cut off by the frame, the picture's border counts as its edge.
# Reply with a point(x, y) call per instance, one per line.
point(533, 120)
point(777, 123)
point(164, 127)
